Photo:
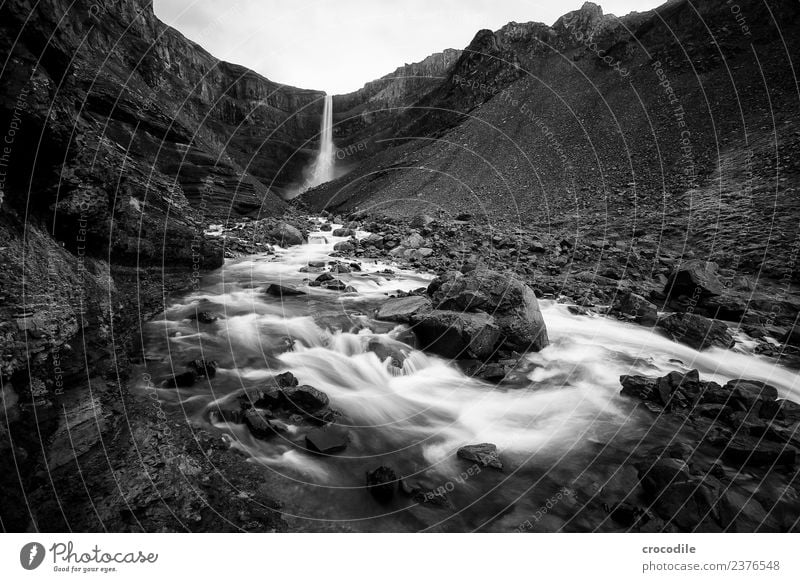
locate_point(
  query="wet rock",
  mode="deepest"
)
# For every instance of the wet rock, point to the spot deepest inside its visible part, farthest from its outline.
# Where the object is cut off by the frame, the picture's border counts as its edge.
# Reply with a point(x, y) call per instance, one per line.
point(386, 350)
point(205, 317)
point(695, 278)
point(484, 453)
point(344, 246)
point(512, 304)
point(232, 416)
point(640, 387)
point(453, 334)
point(184, 380)
point(203, 368)
point(324, 278)
point(382, 483)
point(278, 290)
point(340, 269)
point(305, 399)
point(259, 422)
point(696, 331)
point(343, 232)
point(745, 451)
point(403, 309)
point(286, 380)
point(328, 439)
point(325, 227)
point(286, 235)
point(636, 307)
point(335, 285)
point(751, 392)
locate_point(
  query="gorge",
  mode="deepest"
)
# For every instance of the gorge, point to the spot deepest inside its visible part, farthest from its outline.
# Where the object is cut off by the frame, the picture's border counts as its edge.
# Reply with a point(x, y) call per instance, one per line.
point(544, 283)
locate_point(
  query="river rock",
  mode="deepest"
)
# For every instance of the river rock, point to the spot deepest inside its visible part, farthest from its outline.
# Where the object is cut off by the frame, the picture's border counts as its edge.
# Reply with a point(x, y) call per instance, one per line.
point(751, 392)
point(286, 235)
point(746, 451)
point(344, 246)
point(203, 368)
point(453, 334)
point(335, 285)
point(205, 317)
point(342, 232)
point(696, 331)
point(306, 399)
point(403, 309)
point(279, 290)
point(286, 380)
point(260, 423)
point(695, 278)
point(422, 220)
point(328, 439)
point(484, 453)
point(184, 380)
point(382, 483)
point(413, 241)
point(511, 303)
point(637, 307)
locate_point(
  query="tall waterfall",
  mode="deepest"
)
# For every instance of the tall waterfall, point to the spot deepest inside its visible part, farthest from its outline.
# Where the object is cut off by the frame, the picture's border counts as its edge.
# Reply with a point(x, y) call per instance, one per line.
point(323, 165)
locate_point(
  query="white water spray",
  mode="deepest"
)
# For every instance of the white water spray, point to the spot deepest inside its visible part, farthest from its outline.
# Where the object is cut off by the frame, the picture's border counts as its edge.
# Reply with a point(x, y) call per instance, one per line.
point(323, 165)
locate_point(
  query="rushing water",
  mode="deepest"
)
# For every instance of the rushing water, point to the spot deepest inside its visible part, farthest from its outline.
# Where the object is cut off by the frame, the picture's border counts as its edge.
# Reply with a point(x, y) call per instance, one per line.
point(566, 423)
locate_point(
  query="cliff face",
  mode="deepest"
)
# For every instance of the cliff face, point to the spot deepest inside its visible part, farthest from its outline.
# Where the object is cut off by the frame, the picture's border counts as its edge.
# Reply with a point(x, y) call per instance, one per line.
point(121, 141)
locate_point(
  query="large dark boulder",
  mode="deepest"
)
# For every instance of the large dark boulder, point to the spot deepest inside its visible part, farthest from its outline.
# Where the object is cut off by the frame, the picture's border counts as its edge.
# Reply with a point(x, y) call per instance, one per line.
point(279, 290)
point(286, 235)
point(696, 331)
point(403, 309)
point(511, 303)
point(382, 483)
point(695, 278)
point(636, 307)
point(452, 334)
point(305, 399)
point(328, 439)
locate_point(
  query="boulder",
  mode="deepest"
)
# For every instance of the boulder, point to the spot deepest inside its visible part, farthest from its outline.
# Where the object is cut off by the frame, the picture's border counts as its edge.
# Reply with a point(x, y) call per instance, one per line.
point(637, 307)
point(695, 278)
point(413, 241)
point(306, 399)
point(502, 295)
point(745, 451)
point(485, 454)
point(205, 317)
point(260, 423)
point(342, 232)
point(452, 334)
point(203, 368)
point(421, 221)
point(278, 290)
point(286, 380)
point(696, 331)
point(344, 246)
point(335, 285)
point(403, 309)
point(382, 483)
point(184, 380)
point(328, 439)
point(751, 392)
point(286, 235)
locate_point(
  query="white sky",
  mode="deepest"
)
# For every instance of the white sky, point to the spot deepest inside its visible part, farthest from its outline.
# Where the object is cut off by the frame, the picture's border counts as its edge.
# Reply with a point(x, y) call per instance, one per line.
point(338, 45)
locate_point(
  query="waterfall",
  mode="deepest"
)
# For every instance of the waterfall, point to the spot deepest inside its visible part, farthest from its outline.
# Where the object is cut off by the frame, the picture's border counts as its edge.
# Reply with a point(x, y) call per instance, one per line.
point(323, 165)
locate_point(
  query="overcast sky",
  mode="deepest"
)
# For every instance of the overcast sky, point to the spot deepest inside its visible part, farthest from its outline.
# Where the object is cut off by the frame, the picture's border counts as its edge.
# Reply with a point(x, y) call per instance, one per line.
point(338, 45)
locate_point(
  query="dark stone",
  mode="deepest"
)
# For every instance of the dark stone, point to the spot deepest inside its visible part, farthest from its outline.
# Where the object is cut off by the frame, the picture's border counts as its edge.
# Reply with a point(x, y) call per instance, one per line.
point(637, 307)
point(335, 285)
point(452, 334)
point(696, 331)
point(286, 380)
point(324, 277)
point(344, 246)
point(403, 309)
point(259, 422)
point(205, 317)
point(279, 290)
point(751, 392)
point(328, 439)
point(695, 278)
point(511, 303)
point(382, 483)
point(640, 387)
point(184, 380)
point(342, 232)
point(305, 399)
point(286, 235)
point(484, 453)
point(745, 451)
point(203, 368)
